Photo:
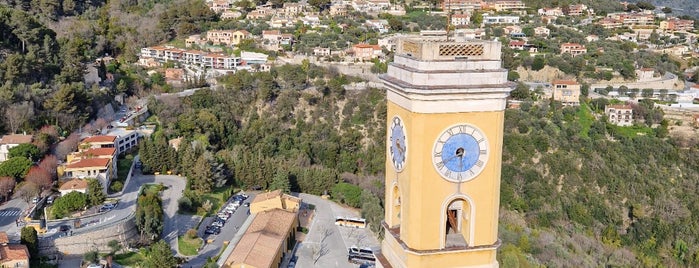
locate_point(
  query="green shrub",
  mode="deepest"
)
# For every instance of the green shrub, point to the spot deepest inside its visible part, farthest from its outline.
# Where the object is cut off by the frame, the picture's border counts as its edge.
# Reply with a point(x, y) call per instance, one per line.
point(68, 203)
point(116, 186)
point(191, 234)
point(349, 194)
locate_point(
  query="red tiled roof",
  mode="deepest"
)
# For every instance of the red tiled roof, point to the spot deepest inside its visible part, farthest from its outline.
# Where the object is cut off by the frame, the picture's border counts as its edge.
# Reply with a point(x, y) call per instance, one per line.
point(74, 184)
point(15, 139)
point(90, 162)
point(101, 138)
point(13, 252)
point(98, 151)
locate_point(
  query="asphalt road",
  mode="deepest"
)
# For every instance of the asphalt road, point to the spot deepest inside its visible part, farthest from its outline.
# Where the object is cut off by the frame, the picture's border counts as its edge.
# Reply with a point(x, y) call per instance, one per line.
point(228, 231)
point(127, 205)
point(9, 212)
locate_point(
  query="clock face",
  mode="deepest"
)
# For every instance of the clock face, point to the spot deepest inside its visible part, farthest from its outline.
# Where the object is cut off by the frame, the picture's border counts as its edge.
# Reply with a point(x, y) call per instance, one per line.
point(460, 153)
point(398, 145)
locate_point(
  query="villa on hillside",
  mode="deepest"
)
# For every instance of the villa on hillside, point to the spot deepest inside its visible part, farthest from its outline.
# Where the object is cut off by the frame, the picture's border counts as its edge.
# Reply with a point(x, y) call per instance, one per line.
point(620, 115)
point(567, 92)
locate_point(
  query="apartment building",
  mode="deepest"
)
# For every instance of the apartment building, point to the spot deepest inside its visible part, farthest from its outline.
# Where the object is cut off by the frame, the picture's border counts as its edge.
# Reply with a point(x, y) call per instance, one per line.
point(676, 24)
point(227, 37)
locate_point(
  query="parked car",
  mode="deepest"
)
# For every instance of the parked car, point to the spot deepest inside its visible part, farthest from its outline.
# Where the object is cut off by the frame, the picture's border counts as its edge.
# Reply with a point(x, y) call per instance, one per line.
point(64, 228)
point(50, 199)
point(222, 216)
point(217, 223)
point(213, 230)
point(35, 200)
point(247, 204)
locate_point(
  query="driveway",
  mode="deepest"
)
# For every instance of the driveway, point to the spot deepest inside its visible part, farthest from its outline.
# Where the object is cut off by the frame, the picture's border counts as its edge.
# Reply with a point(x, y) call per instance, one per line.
point(229, 230)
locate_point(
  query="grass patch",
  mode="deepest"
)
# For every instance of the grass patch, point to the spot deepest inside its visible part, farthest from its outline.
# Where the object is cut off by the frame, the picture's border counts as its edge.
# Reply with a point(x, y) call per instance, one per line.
point(153, 188)
point(586, 119)
point(123, 167)
point(633, 131)
point(217, 197)
point(189, 247)
point(132, 259)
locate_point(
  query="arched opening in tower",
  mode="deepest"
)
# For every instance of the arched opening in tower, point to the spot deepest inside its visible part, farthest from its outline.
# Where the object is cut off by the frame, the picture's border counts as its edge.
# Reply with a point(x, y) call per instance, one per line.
point(458, 223)
point(396, 204)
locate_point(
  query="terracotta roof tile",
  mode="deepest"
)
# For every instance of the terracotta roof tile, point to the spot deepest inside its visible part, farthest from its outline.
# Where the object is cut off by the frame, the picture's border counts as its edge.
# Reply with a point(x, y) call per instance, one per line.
point(267, 196)
point(99, 139)
point(263, 239)
point(98, 152)
point(74, 184)
point(14, 252)
point(15, 139)
point(90, 162)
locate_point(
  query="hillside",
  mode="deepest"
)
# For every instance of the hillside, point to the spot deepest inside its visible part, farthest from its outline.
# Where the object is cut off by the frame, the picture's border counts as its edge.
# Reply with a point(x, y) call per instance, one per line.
point(579, 193)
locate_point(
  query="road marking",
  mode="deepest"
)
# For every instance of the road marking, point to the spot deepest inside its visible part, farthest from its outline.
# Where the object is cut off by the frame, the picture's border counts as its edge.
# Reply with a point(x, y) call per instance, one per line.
point(10, 213)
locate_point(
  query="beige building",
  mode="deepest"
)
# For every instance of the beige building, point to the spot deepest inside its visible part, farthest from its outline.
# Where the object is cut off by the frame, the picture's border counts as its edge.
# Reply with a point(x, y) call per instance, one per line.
point(274, 200)
point(227, 37)
point(366, 51)
point(9, 141)
point(620, 115)
point(98, 168)
point(12, 255)
point(574, 49)
point(269, 238)
point(567, 92)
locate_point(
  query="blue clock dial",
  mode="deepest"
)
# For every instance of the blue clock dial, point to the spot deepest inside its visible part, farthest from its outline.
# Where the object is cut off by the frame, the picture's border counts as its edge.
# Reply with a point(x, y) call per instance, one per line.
point(460, 153)
point(397, 143)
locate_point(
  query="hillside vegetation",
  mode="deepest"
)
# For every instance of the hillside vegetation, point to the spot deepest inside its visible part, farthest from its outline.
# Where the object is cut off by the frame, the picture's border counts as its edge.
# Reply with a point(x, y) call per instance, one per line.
point(597, 195)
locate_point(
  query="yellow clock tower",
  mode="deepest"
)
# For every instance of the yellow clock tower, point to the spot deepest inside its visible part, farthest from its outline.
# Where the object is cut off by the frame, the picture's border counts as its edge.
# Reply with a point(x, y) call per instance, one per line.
point(446, 101)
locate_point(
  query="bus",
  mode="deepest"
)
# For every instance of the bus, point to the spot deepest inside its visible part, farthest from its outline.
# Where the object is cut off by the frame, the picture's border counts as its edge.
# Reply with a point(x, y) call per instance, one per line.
point(350, 222)
point(360, 255)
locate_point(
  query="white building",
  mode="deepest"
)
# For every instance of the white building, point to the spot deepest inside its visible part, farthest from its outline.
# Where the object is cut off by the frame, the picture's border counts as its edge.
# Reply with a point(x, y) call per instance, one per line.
point(620, 115)
point(9, 141)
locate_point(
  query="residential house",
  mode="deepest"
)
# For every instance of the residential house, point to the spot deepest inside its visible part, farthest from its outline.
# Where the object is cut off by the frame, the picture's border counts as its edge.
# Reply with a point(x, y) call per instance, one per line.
point(461, 19)
point(567, 92)
point(493, 19)
point(159, 54)
point(365, 51)
point(577, 10)
point(250, 58)
point(591, 38)
point(274, 200)
point(676, 24)
point(517, 45)
point(321, 51)
point(219, 6)
point(620, 115)
point(260, 13)
point(542, 31)
point(12, 255)
point(193, 40)
point(12, 140)
point(230, 14)
point(292, 10)
point(98, 168)
point(227, 37)
point(106, 153)
point(478, 34)
point(338, 8)
point(74, 185)
point(100, 141)
point(633, 19)
point(645, 74)
point(309, 20)
point(514, 6)
point(461, 5)
point(555, 12)
point(609, 23)
point(379, 25)
point(574, 49)
point(174, 76)
point(269, 238)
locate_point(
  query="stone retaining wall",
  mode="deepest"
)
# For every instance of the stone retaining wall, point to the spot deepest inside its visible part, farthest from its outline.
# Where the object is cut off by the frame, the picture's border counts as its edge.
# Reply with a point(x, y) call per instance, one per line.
point(123, 232)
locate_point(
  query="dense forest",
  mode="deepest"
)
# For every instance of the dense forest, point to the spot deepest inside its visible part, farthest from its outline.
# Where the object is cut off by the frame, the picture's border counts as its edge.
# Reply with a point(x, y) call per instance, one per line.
point(294, 128)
